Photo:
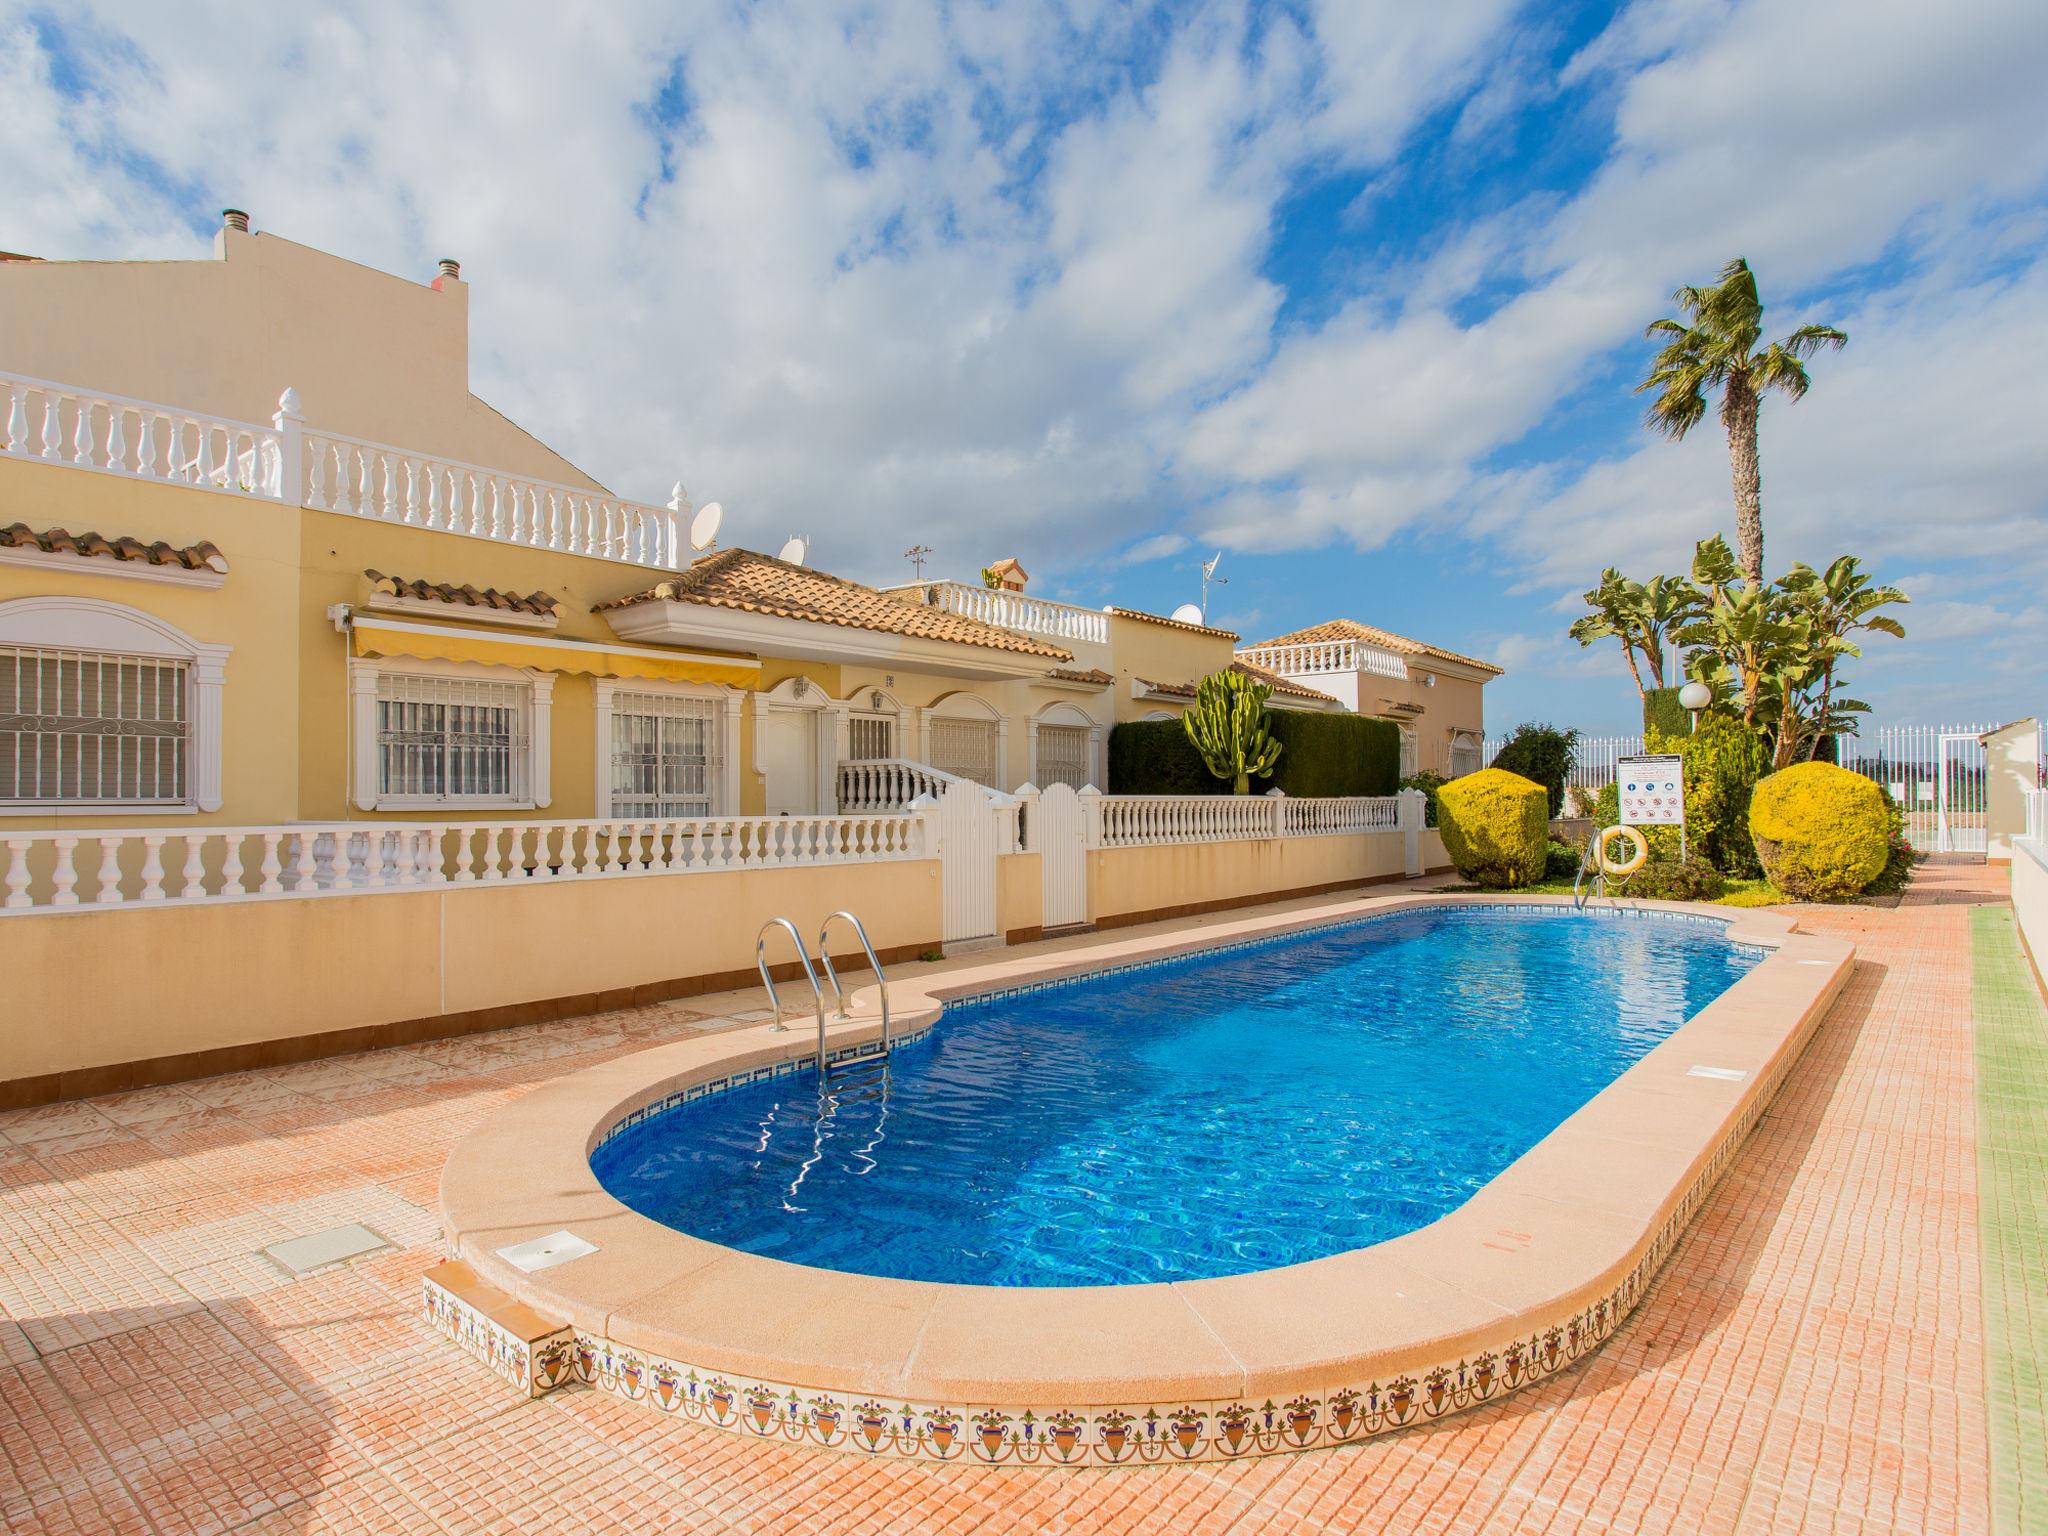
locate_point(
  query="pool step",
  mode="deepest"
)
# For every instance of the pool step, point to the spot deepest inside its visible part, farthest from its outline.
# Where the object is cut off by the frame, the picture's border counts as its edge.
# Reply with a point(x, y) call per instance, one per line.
point(532, 1354)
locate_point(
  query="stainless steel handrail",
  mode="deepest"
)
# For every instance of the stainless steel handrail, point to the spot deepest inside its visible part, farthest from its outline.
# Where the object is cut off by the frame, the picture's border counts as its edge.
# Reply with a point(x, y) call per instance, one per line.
point(810, 975)
point(1590, 857)
point(838, 992)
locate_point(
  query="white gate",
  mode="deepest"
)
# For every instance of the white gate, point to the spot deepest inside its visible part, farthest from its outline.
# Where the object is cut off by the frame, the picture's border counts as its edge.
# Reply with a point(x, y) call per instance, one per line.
point(1059, 835)
point(1959, 795)
point(967, 861)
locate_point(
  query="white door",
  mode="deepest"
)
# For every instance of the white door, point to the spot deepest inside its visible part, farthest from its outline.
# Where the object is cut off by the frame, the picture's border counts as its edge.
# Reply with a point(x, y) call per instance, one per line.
point(1059, 840)
point(967, 861)
point(789, 757)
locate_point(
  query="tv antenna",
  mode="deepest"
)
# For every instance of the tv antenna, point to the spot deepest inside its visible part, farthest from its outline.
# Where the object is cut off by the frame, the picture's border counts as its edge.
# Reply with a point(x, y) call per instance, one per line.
point(915, 555)
point(1211, 579)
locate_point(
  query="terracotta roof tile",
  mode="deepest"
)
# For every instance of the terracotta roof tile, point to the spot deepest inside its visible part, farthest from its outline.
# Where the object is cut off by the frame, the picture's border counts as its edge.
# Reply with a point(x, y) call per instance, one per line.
point(1280, 684)
point(755, 583)
point(1159, 618)
point(540, 604)
point(1351, 629)
point(1257, 674)
point(202, 556)
point(1095, 675)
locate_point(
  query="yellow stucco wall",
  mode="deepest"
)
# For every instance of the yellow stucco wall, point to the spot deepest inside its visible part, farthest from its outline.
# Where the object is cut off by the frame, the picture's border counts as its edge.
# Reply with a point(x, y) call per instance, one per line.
point(1020, 892)
point(1122, 881)
point(371, 354)
point(312, 966)
point(1160, 653)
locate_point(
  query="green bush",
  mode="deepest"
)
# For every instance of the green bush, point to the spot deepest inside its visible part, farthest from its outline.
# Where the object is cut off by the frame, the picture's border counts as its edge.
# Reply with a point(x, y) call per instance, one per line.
point(1543, 754)
point(1333, 755)
point(1662, 712)
point(1669, 880)
point(1322, 755)
point(1494, 827)
point(1155, 757)
point(1561, 860)
point(1723, 761)
point(1822, 832)
point(1429, 783)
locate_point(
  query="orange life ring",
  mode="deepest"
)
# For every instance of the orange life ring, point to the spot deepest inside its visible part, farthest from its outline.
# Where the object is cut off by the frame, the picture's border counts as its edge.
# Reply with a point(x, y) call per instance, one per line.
point(1607, 864)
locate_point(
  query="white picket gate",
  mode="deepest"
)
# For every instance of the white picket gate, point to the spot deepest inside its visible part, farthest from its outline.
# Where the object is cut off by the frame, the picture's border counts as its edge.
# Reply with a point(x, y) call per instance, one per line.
point(968, 828)
point(1059, 829)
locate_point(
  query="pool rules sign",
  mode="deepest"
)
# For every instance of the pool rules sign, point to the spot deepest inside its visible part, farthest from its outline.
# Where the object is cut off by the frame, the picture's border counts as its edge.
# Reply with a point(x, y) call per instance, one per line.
point(1652, 790)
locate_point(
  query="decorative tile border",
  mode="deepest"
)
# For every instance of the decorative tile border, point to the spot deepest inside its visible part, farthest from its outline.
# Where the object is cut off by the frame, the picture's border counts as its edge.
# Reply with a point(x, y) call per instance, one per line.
point(533, 1367)
point(1094, 1435)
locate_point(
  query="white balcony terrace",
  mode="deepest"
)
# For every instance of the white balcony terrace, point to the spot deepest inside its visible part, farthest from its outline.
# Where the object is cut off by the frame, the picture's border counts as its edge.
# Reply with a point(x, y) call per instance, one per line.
point(1323, 657)
point(289, 463)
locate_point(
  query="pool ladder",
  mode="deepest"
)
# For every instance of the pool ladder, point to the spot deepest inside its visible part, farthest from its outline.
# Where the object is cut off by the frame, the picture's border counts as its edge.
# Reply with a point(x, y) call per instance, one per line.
point(811, 975)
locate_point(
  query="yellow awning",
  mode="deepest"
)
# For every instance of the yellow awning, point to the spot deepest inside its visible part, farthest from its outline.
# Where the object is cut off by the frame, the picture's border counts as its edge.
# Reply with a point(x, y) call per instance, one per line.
point(434, 642)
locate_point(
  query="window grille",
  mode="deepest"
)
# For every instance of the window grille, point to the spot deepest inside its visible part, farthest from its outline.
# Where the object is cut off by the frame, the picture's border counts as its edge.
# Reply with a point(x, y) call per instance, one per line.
point(1062, 755)
point(667, 756)
point(445, 739)
point(966, 748)
point(1408, 768)
point(92, 728)
point(1464, 756)
point(870, 738)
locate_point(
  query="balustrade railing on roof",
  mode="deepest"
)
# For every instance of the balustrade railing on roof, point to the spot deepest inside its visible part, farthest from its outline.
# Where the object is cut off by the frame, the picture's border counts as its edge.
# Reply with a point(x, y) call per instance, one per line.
point(1012, 610)
point(1308, 658)
point(329, 472)
point(89, 429)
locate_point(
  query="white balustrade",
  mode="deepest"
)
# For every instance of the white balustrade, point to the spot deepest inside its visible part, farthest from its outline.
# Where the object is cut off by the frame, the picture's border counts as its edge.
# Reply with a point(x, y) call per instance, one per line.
point(398, 485)
point(89, 429)
point(286, 462)
point(1309, 658)
point(1013, 610)
point(888, 784)
point(42, 870)
point(1135, 821)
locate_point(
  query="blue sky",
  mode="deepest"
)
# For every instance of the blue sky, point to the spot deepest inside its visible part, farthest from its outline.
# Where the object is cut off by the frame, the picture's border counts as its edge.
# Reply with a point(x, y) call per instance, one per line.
point(1352, 292)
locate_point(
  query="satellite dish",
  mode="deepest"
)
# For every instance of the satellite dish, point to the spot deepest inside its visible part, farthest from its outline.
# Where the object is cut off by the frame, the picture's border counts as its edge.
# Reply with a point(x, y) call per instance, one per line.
point(1188, 613)
point(794, 551)
point(705, 525)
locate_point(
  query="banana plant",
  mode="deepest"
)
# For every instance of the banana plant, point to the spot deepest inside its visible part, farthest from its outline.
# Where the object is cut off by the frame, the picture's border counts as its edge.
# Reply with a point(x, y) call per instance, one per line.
point(1228, 727)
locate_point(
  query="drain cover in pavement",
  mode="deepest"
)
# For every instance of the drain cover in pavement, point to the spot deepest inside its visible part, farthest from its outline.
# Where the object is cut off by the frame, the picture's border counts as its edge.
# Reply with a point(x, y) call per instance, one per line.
point(321, 1249)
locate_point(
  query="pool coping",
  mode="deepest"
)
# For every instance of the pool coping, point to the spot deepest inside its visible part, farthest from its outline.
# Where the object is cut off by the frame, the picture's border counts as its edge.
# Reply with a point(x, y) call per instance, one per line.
point(1529, 1275)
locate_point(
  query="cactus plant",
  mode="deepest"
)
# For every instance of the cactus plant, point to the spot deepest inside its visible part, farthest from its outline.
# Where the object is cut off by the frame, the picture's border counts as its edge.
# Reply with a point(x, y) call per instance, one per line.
point(1228, 727)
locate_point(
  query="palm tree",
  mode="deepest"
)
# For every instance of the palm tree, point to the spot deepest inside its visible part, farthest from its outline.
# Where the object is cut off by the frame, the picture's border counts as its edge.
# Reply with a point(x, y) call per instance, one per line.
point(1839, 603)
point(1714, 347)
point(1643, 616)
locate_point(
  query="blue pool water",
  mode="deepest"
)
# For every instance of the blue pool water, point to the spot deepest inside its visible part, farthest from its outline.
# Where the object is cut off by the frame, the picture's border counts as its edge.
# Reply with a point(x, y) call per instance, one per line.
point(1228, 1112)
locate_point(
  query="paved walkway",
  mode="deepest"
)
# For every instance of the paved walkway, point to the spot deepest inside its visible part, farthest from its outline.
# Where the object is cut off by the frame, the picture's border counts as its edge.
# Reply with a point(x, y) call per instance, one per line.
point(1812, 1358)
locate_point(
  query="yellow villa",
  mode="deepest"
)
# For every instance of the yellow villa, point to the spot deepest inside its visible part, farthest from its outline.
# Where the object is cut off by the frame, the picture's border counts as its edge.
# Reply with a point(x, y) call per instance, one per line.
point(287, 612)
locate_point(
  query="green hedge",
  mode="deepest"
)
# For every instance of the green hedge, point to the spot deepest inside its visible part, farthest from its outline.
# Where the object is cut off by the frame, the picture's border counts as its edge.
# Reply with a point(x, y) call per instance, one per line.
point(1663, 712)
point(1321, 756)
point(1542, 754)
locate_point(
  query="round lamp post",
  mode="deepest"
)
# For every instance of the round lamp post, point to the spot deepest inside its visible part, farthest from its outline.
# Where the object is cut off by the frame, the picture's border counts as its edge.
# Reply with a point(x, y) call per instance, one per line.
point(1695, 697)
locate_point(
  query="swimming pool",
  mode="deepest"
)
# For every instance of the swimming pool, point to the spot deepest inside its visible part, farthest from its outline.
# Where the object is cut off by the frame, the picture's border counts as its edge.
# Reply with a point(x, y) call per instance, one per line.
point(1203, 1116)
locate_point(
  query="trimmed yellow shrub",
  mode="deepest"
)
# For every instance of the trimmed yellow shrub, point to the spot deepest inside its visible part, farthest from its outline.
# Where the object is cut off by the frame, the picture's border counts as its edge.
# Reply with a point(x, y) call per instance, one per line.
point(1822, 832)
point(1495, 826)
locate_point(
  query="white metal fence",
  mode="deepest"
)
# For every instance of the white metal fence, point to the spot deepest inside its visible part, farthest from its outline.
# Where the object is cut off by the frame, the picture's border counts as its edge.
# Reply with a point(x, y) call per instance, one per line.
point(1936, 773)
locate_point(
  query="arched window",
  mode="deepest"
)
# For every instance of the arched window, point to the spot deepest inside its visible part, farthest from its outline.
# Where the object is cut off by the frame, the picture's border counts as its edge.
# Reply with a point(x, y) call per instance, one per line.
point(967, 736)
point(1065, 747)
point(105, 707)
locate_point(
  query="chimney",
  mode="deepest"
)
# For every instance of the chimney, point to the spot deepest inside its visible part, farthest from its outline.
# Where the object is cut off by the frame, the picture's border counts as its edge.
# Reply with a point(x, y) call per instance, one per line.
point(1006, 574)
point(235, 219)
point(451, 272)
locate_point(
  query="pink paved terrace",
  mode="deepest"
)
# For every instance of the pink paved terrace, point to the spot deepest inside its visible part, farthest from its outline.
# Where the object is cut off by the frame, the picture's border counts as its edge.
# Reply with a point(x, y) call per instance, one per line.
point(1810, 1357)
